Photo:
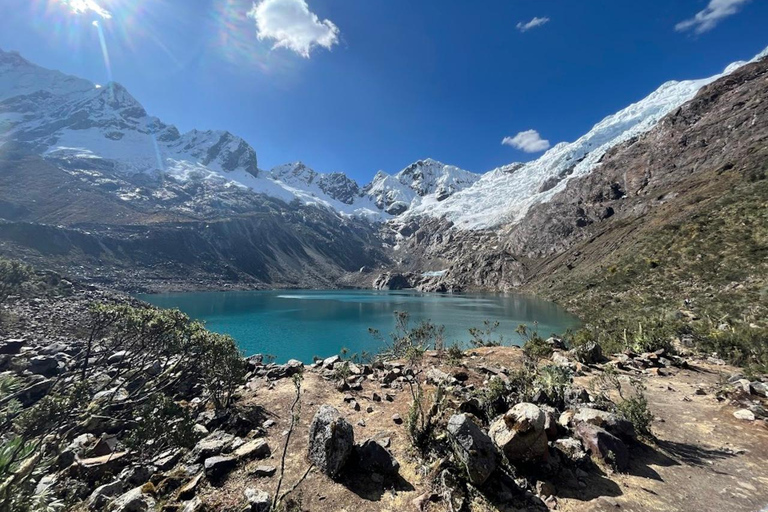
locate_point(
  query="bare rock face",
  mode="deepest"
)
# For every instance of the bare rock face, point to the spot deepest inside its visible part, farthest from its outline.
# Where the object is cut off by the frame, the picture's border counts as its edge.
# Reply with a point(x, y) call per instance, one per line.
point(331, 440)
point(521, 433)
point(394, 281)
point(603, 445)
point(473, 448)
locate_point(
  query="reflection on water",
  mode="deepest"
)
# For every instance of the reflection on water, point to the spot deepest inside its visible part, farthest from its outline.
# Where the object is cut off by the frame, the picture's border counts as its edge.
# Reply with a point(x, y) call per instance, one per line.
point(308, 323)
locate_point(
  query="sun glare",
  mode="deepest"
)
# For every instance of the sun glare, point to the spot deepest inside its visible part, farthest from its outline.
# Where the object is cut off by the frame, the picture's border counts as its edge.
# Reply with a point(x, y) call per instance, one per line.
point(87, 6)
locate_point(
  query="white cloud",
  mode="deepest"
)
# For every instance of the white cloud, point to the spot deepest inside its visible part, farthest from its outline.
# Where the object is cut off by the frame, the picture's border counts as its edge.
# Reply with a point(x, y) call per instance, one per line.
point(707, 19)
point(292, 25)
point(535, 22)
point(529, 141)
point(84, 6)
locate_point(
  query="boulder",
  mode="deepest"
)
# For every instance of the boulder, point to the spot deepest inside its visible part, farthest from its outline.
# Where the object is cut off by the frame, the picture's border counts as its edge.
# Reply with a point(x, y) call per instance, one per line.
point(256, 449)
point(218, 466)
point(438, 377)
point(258, 501)
point(44, 365)
point(521, 434)
point(215, 444)
point(331, 440)
point(603, 445)
point(374, 458)
point(588, 353)
point(607, 420)
point(744, 414)
point(571, 448)
point(11, 346)
point(103, 494)
point(473, 448)
point(263, 471)
point(133, 501)
point(759, 388)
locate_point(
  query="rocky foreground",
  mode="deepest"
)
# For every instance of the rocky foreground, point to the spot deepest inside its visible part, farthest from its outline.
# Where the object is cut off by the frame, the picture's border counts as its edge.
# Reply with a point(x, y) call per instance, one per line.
point(491, 428)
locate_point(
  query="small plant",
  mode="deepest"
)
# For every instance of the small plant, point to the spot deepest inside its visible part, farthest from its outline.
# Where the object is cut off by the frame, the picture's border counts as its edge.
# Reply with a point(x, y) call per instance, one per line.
point(486, 337)
point(455, 355)
point(554, 381)
point(493, 398)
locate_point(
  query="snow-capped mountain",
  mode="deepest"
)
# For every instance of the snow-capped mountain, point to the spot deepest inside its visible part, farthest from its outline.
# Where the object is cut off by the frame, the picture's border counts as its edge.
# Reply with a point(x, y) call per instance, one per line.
point(81, 125)
point(422, 183)
point(504, 195)
point(78, 124)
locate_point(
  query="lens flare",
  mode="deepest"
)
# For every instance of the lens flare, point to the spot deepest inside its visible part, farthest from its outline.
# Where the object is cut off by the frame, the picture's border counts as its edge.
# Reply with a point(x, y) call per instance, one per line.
point(104, 51)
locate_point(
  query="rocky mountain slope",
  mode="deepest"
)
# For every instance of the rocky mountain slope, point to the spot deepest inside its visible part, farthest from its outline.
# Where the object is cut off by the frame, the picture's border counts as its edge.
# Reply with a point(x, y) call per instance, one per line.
point(679, 205)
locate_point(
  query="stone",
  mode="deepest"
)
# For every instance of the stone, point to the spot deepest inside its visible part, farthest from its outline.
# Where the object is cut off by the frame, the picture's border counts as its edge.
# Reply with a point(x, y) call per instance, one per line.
point(263, 471)
point(759, 388)
point(603, 445)
point(520, 433)
point(188, 490)
point(258, 501)
point(193, 505)
point(438, 377)
point(588, 353)
point(11, 346)
point(397, 419)
point(133, 501)
point(117, 357)
point(331, 440)
point(102, 494)
point(215, 444)
point(218, 466)
point(744, 414)
point(256, 449)
point(374, 458)
point(571, 448)
point(473, 448)
point(44, 365)
point(607, 420)
point(329, 362)
point(167, 459)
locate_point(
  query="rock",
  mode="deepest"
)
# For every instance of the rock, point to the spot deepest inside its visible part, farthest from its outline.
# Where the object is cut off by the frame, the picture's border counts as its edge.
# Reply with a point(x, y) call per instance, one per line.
point(588, 353)
point(167, 459)
point(258, 449)
point(744, 414)
point(374, 458)
point(607, 420)
point(193, 505)
point(263, 471)
point(35, 392)
point(330, 362)
point(44, 365)
point(218, 466)
point(556, 343)
point(188, 490)
point(331, 440)
point(571, 448)
point(11, 346)
point(215, 444)
point(133, 501)
point(397, 419)
point(520, 433)
point(102, 494)
point(258, 501)
point(759, 388)
point(603, 445)
point(545, 489)
point(473, 448)
point(117, 357)
point(437, 377)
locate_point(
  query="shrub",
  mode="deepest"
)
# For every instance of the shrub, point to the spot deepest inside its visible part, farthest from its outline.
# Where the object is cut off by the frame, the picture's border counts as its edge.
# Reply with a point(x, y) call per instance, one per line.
point(487, 336)
point(536, 347)
point(554, 381)
point(162, 423)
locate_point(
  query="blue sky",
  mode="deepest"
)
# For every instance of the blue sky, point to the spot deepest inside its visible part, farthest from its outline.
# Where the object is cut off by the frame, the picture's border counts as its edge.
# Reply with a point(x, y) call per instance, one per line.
point(363, 85)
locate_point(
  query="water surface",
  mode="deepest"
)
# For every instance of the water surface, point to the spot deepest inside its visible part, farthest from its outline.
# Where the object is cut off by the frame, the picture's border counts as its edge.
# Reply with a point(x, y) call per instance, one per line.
point(302, 324)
